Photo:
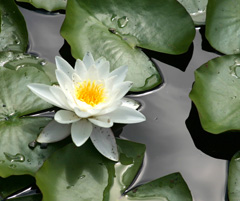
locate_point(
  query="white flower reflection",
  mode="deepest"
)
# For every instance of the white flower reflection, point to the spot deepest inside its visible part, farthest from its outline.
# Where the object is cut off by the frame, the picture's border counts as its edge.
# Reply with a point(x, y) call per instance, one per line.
point(92, 100)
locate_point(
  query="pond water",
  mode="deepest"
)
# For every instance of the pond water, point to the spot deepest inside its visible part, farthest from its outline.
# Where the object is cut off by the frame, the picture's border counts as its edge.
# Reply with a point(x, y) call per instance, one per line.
point(170, 147)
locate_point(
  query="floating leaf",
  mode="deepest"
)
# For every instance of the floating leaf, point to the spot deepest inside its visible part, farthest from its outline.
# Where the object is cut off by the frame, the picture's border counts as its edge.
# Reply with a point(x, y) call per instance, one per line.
point(83, 174)
point(169, 188)
point(223, 25)
point(216, 94)
point(73, 173)
point(13, 35)
point(116, 30)
point(197, 10)
point(49, 5)
point(234, 178)
point(16, 129)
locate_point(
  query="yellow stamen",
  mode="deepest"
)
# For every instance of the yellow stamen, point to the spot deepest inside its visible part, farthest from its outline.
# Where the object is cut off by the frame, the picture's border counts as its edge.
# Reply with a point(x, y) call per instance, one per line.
point(90, 92)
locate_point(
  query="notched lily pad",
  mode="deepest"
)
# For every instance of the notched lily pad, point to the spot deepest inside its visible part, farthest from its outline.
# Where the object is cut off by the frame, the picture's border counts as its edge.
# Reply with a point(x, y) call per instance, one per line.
point(17, 130)
point(117, 30)
point(234, 178)
point(13, 35)
point(169, 188)
point(216, 94)
point(83, 174)
point(197, 10)
point(49, 5)
point(223, 25)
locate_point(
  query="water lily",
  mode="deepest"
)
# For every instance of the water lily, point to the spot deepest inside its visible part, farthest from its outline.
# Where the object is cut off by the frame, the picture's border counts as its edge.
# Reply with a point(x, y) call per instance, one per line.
point(91, 98)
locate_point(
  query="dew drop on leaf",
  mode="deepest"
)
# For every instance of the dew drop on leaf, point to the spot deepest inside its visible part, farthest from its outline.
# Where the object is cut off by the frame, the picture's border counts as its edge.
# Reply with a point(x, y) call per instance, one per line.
point(14, 158)
point(122, 22)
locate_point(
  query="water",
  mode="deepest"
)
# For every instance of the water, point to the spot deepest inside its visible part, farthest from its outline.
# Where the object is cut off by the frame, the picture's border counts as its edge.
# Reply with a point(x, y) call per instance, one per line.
point(170, 147)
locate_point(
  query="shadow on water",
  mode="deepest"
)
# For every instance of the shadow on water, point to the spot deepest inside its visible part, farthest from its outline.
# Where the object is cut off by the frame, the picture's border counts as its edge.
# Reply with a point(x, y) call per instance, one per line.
point(221, 146)
point(179, 61)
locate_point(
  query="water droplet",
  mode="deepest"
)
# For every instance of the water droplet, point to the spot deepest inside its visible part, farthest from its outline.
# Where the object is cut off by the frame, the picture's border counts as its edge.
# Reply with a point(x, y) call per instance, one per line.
point(12, 166)
point(82, 176)
point(122, 22)
point(233, 68)
point(14, 158)
point(114, 17)
point(43, 63)
point(28, 160)
point(4, 105)
point(20, 66)
point(2, 161)
point(32, 144)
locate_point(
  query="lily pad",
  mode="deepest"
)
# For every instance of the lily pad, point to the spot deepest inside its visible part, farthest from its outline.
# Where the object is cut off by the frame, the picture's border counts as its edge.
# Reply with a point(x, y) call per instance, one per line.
point(13, 35)
point(49, 5)
point(16, 128)
point(234, 178)
point(83, 174)
point(73, 173)
point(216, 94)
point(197, 10)
point(223, 25)
point(169, 188)
point(117, 30)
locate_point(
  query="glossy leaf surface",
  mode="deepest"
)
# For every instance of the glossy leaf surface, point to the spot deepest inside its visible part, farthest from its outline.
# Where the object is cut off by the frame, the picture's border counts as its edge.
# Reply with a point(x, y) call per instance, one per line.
point(169, 188)
point(223, 25)
point(49, 5)
point(197, 10)
point(111, 29)
point(18, 130)
point(216, 94)
point(234, 178)
point(13, 35)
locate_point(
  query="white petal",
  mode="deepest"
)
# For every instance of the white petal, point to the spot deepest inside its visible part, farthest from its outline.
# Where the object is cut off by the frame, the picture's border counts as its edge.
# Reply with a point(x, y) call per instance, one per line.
point(105, 142)
point(65, 83)
point(64, 66)
point(81, 131)
point(101, 121)
point(110, 108)
point(121, 73)
point(88, 60)
point(121, 90)
point(66, 117)
point(128, 102)
point(126, 115)
point(60, 97)
point(80, 113)
point(93, 73)
point(103, 69)
point(43, 91)
point(54, 132)
point(81, 69)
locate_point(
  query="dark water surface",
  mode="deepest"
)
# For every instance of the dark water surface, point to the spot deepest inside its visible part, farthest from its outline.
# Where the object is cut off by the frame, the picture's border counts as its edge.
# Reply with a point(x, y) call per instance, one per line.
point(170, 147)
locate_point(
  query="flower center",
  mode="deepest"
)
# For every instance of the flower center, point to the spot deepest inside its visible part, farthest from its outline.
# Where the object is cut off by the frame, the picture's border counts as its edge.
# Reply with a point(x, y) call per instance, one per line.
point(90, 92)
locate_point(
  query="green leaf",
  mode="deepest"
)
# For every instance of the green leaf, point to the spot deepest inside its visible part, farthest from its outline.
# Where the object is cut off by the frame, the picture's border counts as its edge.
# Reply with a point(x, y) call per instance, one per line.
point(234, 178)
point(116, 30)
point(49, 5)
point(216, 94)
point(169, 188)
point(223, 25)
point(13, 35)
point(197, 10)
point(82, 173)
point(12, 184)
point(73, 173)
point(16, 129)
point(122, 174)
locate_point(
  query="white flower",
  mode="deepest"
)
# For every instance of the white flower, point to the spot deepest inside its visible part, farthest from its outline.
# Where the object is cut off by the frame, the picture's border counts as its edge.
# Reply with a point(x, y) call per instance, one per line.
point(92, 100)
